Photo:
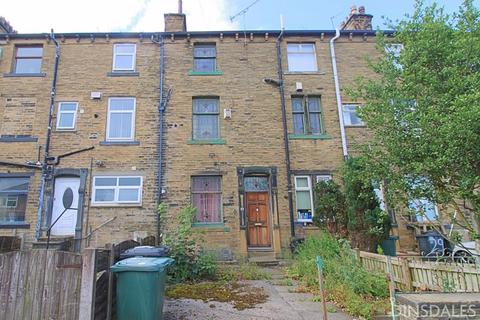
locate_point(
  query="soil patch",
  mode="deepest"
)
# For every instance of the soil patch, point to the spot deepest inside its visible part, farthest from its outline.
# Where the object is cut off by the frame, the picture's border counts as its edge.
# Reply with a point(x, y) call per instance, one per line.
point(240, 295)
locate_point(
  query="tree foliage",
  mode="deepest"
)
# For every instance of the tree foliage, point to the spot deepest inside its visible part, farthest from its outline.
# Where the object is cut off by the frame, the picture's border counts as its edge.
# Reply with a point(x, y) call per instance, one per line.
point(423, 108)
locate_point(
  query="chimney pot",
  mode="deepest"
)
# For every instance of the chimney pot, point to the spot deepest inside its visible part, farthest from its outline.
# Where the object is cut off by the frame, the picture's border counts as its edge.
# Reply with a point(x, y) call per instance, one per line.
point(358, 20)
point(361, 10)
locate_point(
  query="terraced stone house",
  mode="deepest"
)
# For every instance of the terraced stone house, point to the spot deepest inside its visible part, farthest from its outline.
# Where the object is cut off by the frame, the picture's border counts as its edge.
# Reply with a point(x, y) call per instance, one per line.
point(239, 124)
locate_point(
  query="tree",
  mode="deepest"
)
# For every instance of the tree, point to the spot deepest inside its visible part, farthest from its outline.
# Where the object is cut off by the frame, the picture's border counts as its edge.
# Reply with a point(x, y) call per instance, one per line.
point(423, 108)
point(330, 207)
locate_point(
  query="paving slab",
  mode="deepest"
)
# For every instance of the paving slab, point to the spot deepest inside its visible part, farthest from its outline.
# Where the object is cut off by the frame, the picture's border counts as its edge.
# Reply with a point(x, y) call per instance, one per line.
point(281, 305)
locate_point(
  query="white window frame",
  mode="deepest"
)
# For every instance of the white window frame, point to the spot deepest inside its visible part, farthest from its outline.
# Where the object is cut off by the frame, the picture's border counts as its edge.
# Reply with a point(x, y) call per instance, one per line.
point(132, 134)
point(309, 188)
point(323, 177)
point(116, 191)
point(115, 54)
point(60, 112)
point(303, 53)
point(344, 111)
point(395, 49)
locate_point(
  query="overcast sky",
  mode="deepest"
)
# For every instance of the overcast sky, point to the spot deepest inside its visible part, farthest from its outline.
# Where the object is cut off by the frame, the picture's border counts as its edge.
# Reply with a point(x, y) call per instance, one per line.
point(36, 16)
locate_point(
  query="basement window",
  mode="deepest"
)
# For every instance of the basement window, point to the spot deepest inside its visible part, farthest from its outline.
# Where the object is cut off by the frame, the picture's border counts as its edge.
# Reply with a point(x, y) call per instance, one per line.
point(28, 59)
point(13, 200)
point(204, 58)
point(307, 115)
point(124, 56)
point(207, 198)
point(67, 115)
point(301, 57)
point(117, 190)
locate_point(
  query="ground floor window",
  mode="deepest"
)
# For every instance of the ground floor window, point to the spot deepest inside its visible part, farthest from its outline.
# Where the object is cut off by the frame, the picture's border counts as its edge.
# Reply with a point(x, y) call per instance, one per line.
point(117, 190)
point(304, 195)
point(207, 198)
point(13, 199)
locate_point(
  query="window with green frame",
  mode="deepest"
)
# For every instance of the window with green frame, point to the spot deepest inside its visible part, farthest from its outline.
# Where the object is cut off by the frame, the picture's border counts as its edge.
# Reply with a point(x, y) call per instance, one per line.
point(205, 119)
point(307, 115)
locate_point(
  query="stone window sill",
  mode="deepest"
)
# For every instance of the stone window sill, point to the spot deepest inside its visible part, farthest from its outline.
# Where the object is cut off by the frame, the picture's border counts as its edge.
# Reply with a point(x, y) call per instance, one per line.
point(6, 138)
point(16, 225)
point(304, 73)
point(116, 205)
point(16, 75)
point(355, 126)
point(119, 143)
point(309, 137)
point(198, 73)
point(215, 141)
point(123, 74)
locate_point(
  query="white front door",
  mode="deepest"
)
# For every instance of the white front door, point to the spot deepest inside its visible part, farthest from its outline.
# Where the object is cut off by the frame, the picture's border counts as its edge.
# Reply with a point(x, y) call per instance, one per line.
point(66, 224)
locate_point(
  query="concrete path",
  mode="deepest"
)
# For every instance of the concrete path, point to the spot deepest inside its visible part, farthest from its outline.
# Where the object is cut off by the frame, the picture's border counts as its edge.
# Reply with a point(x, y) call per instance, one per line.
point(282, 304)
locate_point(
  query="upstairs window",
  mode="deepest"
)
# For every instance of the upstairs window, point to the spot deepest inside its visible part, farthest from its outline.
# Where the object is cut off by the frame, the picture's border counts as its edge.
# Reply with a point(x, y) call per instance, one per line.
point(13, 200)
point(67, 114)
point(205, 119)
point(301, 57)
point(307, 115)
point(207, 198)
point(394, 50)
point(204, 58)
point(124, 56)
point(28, 59)
point(350, 115)
point(117, 190)
point(424, 210)
point(121, 119)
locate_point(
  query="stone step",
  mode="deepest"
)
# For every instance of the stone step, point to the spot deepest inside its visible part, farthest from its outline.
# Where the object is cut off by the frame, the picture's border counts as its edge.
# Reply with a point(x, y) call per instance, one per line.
point(264, 261)
point(58, 243)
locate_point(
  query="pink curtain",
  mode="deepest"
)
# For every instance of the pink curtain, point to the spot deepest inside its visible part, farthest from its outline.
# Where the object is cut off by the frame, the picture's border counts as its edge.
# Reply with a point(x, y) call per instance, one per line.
point(206, 198)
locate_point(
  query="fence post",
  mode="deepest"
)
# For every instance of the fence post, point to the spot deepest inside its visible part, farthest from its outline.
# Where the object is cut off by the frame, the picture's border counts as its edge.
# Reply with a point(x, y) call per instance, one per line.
point(111, 261)
point(87, 289)
point(358, 256)
point(406, 275)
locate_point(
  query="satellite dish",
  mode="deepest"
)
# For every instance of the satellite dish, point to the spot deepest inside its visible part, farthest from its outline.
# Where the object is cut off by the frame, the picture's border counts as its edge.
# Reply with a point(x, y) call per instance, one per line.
point(67, 198)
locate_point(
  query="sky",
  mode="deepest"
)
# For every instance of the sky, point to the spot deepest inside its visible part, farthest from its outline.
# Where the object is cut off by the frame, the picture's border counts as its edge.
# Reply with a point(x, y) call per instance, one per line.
point(37, 16)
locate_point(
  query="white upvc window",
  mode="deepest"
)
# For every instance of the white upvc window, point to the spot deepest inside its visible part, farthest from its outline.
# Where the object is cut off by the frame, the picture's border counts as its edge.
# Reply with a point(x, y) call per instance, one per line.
point(323, 177)
point(395, 49)
point(124, 56)
point(304, 198)
point(117, 190)
point(350, 115)
point(67, 115)
point(301, 57)
point(121, 119)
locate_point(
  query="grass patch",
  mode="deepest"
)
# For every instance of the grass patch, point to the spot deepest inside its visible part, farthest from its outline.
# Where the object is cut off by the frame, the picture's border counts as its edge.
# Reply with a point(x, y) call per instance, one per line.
point(241, 296)
point(243, 271)
point(359, 292)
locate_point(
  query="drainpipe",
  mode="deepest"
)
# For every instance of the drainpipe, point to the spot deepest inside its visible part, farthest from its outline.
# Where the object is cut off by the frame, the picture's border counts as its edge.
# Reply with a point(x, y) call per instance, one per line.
point(161, 110)
point(47, 140)
point(285, 131)
point(337, 93)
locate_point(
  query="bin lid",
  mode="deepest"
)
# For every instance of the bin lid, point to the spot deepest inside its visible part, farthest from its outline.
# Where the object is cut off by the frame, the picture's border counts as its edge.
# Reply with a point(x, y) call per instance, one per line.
point(142, 264)
point(145, 251)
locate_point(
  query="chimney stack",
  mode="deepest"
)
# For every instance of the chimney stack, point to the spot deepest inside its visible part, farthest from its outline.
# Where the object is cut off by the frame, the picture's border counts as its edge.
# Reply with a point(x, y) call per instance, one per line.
point(176, 22)
point(5, 27)
point(357, 20)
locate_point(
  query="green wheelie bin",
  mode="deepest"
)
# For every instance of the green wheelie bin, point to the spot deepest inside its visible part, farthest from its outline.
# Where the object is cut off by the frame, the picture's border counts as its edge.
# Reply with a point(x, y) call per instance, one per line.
point(141, 287)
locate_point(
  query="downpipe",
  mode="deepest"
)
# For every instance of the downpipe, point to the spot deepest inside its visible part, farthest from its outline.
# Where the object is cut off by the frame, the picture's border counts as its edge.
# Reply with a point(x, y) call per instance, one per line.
point(41, 199)
point(337, 94)
point(285, 131)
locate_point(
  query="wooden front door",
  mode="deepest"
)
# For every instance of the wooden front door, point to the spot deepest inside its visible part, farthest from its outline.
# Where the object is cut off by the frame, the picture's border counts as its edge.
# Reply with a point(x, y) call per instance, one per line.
point(258, 222)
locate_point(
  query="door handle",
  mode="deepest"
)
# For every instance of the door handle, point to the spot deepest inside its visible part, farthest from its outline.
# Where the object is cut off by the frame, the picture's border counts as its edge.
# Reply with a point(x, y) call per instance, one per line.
point(258, 224)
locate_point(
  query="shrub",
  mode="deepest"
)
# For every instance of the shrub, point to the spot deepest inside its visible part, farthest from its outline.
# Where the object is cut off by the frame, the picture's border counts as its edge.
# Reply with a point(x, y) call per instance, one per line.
point(330, 207)
point(358, 291)
point(191, 262)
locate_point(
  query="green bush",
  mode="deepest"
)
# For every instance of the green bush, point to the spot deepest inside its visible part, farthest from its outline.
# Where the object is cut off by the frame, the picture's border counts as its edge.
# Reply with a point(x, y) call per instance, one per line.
point(358, 291)
point(330, 206)
point(191, 262)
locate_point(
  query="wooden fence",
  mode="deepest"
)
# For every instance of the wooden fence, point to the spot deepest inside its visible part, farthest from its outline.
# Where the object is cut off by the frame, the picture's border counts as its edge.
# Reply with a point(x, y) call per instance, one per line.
point(417, 275)
point(40, 284)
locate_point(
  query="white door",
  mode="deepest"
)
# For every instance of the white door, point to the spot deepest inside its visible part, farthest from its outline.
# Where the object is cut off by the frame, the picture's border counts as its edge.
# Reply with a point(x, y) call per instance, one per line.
point(66, 224)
